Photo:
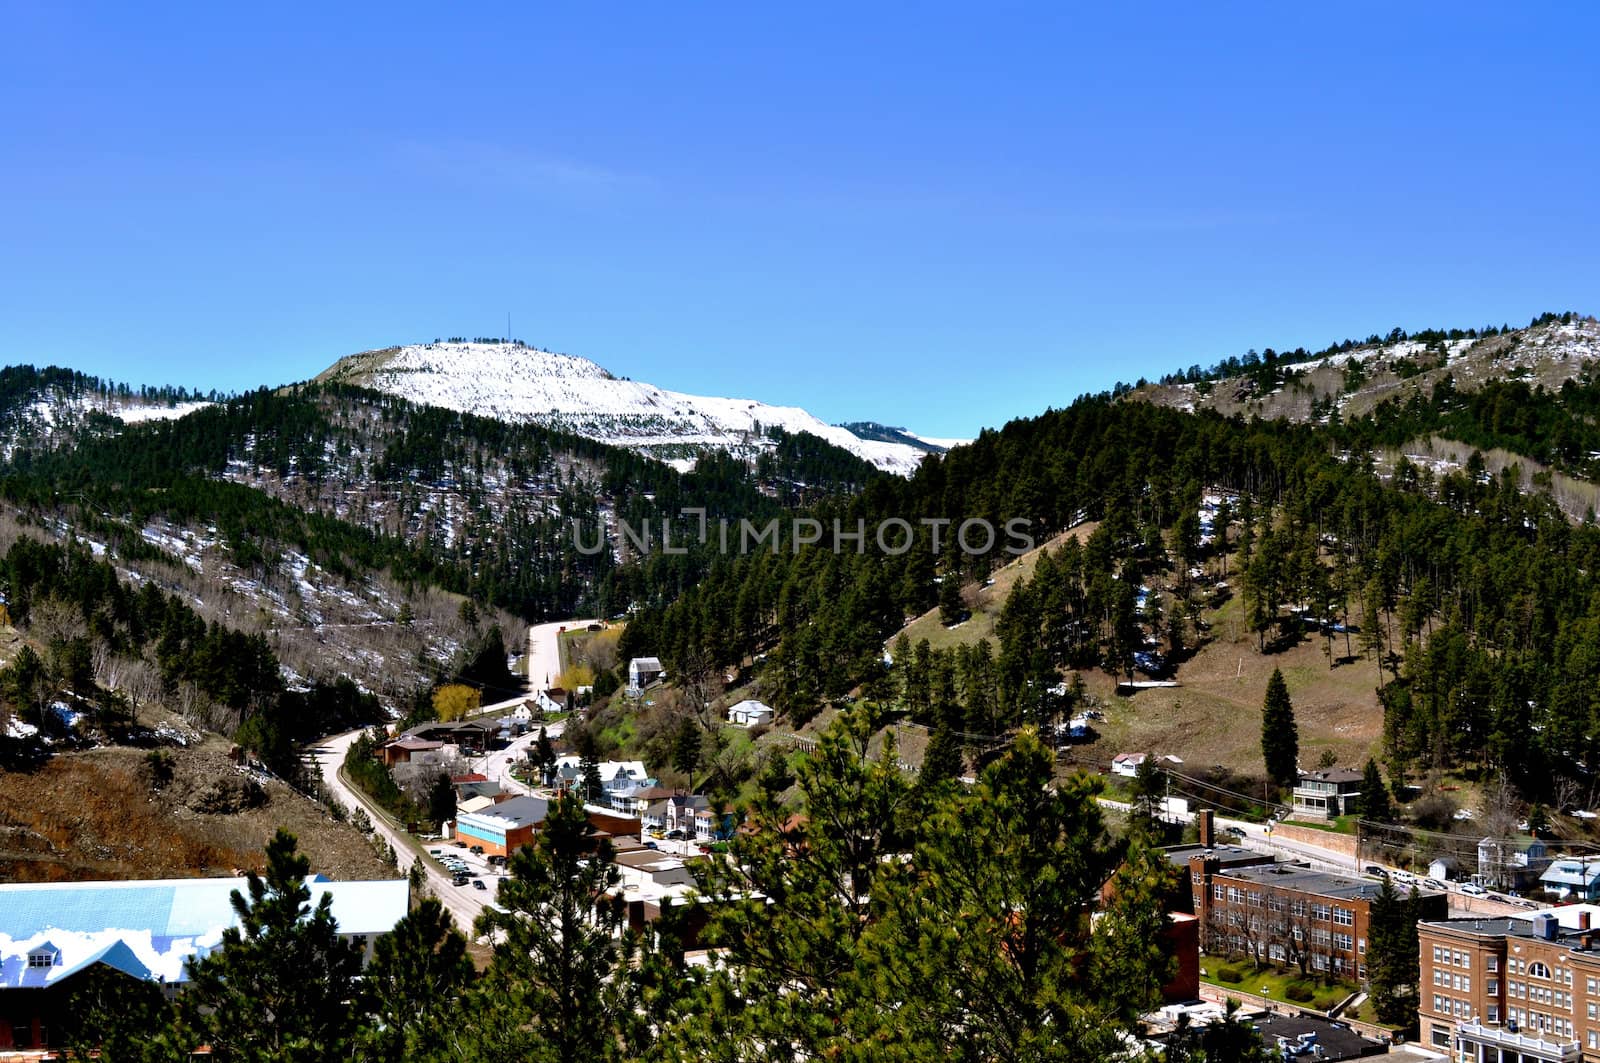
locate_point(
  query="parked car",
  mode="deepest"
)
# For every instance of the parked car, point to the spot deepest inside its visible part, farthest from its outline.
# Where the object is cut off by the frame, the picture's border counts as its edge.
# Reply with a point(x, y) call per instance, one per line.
point(651, 845)
point(1374, 869)
point(657, 833)
point(476, 849)
point(1472, 889)
point(1433, 884)
point(477, 884)
point(674, 835)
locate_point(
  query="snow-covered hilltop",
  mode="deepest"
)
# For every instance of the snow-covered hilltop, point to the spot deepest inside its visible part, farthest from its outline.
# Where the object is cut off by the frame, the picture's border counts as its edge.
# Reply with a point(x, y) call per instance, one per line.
point(514, 382)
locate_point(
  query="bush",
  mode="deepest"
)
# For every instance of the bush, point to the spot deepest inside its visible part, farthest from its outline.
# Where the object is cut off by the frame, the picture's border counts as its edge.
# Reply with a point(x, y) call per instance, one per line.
point(1231, 975)
point(1299, 992)
point(1326, 1003)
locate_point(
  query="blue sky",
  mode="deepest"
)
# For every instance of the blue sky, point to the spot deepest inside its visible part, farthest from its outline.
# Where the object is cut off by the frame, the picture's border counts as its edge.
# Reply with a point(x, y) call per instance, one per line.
point(935, 215)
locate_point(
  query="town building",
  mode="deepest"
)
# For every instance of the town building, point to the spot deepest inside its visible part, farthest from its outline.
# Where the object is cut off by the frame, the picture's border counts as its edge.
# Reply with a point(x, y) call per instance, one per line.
point(1249, 904)
point(1127, 764)
point(1326, 794)
point(1522, 988)
point(751, 713)
point(50, 933)
point(642, 671)
point(505, 827)
point(407, 748)
point(1511, 863)
point(1573, 878)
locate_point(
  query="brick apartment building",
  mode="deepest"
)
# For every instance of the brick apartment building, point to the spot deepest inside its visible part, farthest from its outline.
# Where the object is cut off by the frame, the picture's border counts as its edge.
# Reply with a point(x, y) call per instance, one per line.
point(1248, 904)
point(1519, 989)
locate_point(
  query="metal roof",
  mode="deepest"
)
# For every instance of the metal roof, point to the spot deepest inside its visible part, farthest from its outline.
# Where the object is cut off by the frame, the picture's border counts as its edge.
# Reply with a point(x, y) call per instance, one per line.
point(149, 928)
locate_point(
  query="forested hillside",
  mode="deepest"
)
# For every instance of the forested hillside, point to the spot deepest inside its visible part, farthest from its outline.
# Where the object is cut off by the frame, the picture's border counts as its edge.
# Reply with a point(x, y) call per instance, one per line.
point(1479, 600)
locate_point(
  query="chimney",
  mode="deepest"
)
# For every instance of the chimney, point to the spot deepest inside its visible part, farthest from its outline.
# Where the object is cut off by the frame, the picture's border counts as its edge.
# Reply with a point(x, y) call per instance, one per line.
point(1583, 919)
point(1207, 828)
point(1586, 942)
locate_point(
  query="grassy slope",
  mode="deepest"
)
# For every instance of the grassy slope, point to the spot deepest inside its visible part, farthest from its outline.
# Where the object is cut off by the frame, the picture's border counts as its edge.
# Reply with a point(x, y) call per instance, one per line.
point(985, 602)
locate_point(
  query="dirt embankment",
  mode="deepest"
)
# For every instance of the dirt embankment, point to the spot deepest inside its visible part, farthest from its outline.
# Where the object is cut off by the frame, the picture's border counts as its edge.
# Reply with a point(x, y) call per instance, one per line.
point(114, 813)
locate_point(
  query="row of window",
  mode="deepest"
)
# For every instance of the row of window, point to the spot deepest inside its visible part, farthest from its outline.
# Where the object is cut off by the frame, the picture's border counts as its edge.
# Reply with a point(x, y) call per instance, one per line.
point(1461, 983)
point(1275, 902)
point(1456, 959)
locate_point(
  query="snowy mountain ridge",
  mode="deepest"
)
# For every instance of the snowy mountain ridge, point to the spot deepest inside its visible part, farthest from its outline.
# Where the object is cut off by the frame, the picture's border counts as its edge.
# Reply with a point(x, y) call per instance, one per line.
point(514, 382)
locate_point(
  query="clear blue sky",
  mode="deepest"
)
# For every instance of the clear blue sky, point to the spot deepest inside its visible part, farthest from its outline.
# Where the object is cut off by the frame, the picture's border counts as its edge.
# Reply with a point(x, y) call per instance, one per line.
point(936, 215)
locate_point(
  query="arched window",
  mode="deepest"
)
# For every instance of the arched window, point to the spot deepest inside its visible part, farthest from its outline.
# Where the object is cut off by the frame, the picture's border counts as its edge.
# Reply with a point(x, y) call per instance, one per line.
point(1538, 970)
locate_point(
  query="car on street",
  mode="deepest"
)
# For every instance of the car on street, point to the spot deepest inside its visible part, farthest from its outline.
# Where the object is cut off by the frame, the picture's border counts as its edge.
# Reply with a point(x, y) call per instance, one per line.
point(1433, 884)
point(1472, 889)
point(651, 845)
point(1375, 870)
point(674, 835)
point(477, 884)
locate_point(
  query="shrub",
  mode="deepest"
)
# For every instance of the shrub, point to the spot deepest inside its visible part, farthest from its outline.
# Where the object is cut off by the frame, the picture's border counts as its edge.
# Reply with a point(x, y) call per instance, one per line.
point(1299, 992)
point(1231, 975)
point(1325, 1003)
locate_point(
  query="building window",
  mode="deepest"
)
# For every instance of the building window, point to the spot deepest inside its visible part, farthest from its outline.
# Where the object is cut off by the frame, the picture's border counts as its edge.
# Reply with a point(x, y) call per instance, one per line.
point(1441, 1037)
point(1538, 970)
point(1494, 1012)
point(1344, 916)
point(41, 959)
point(1216, 891)
point(1492, 963)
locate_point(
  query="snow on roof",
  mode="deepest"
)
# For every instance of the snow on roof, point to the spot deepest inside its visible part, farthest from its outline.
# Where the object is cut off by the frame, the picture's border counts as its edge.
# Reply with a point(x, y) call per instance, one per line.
point(149, 928)
point(652, 664)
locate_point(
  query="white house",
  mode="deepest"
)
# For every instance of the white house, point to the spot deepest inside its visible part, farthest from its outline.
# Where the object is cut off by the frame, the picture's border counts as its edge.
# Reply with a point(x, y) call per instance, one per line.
point(1127, 764)
point(750, 713)
point(642, 671)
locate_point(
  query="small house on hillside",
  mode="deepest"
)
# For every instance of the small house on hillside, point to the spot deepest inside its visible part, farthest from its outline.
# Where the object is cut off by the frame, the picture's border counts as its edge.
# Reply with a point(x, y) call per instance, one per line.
point(642, 671)
point(1326, 794)
point(1574, 878)
point(750, 713)
point(1127, 764)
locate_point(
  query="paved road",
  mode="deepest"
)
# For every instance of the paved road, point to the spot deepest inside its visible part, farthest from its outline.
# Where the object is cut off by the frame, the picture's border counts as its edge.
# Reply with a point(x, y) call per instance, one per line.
point(496, 764)
point(544, 651)
point(463, 902)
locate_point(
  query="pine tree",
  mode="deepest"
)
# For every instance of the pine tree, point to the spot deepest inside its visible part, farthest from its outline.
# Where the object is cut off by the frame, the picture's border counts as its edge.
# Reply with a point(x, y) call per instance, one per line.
point(280, 987)
point(557, 988)
point(119, 1018)
point(411, 987)
point(1374, 804)
point(1280, 739)
point(1393, 964)
point(686, 746)
point(544, 755)
point(952, 610)
point(442, 800)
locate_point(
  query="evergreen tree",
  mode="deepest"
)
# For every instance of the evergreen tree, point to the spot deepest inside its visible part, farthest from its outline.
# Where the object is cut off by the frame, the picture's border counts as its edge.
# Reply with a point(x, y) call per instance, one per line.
point(119, 1018)
point(1393, 963)
point(557, 988)
point(442, 800)
point(1280, 739)
point(686, 747)
point(544, 755)
point(1374, 803)
point(411, 987)
point(1149, 792)
point(280, 987)
point(952, 610)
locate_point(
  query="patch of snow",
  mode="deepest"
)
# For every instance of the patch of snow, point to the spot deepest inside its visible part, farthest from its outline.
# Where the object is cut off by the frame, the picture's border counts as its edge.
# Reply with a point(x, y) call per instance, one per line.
point(518, 383)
